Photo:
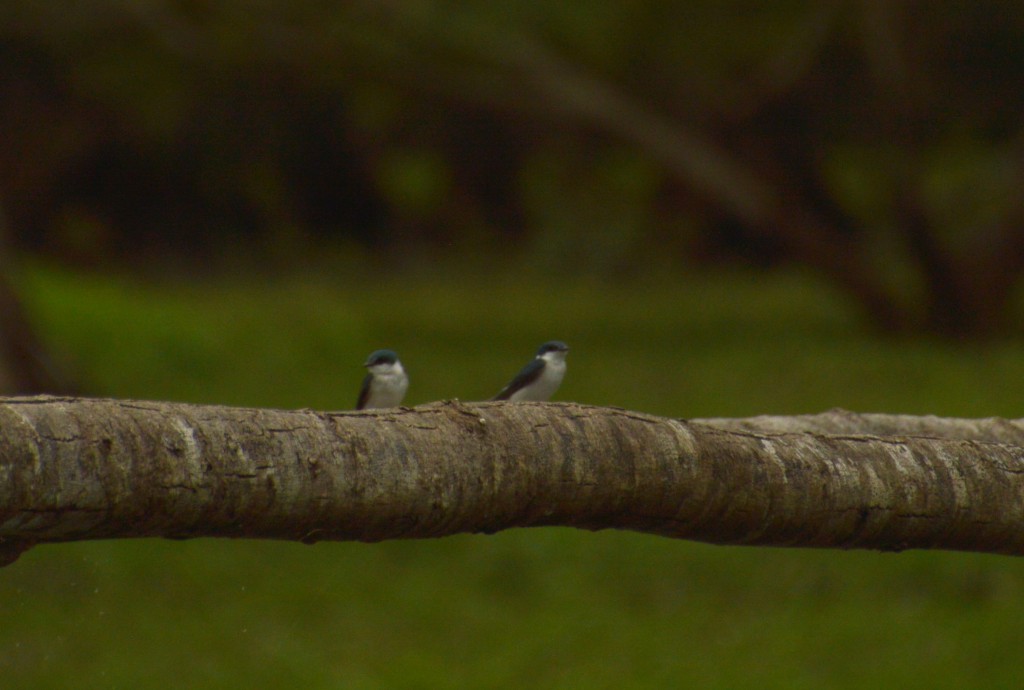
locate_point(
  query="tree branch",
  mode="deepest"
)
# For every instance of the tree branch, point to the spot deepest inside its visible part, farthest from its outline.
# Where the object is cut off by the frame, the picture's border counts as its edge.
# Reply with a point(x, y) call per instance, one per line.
point(75, 469)
point(845, 423)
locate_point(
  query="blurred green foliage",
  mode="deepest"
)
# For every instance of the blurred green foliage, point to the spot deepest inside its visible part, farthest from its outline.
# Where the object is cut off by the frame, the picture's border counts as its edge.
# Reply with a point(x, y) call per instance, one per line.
point(549, 608)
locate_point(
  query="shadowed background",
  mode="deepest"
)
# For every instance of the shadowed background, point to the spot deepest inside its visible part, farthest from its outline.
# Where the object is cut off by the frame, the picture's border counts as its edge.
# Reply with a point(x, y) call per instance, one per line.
point(725, 209)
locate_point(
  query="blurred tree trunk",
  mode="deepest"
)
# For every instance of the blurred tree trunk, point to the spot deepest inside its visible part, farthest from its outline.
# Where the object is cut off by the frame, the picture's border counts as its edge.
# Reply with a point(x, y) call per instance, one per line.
point(25, 365)
point(968, 293)
point(79, 469)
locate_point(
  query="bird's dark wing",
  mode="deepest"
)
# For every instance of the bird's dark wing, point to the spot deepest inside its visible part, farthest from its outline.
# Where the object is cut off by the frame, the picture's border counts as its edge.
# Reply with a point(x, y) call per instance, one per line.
point(525, 377)
point(364, 392)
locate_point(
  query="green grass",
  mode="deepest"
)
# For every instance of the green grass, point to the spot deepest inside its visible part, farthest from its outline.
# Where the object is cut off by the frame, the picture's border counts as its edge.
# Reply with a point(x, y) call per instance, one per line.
point(548, 608)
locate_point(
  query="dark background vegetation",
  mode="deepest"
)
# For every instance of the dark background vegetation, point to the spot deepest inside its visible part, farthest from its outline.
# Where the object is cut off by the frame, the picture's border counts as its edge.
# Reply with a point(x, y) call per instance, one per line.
point(726, 209)
point(878, 143)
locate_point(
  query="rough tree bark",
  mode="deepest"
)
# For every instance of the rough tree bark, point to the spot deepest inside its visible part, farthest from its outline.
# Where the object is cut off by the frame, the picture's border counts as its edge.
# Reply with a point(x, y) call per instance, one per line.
point(73, 469)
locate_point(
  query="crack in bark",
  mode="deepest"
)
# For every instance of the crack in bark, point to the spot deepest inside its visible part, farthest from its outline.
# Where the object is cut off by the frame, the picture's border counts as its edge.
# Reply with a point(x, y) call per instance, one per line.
point(179, 487)
point(61, 510)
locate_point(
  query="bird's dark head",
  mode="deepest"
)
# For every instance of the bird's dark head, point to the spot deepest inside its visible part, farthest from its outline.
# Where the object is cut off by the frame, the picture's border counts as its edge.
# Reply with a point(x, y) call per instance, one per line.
point(552, 346)
point(379, 357)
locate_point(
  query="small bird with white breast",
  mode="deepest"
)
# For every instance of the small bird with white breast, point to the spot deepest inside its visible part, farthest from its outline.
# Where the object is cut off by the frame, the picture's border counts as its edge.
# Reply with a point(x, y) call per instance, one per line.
point(386, 382)
point(539, 379)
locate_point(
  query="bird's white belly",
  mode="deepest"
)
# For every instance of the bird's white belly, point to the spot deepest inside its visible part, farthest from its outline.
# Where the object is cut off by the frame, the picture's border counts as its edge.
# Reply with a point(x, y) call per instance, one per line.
point(544, 387)
point(387, 391)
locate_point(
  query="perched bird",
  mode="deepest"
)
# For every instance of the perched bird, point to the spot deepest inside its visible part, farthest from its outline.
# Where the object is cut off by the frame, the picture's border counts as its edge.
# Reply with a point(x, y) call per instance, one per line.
point(539, 379)
point(386, 383)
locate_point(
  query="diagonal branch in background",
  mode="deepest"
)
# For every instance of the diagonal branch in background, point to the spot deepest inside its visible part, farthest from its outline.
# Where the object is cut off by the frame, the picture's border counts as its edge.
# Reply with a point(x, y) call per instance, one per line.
point(697, 161)
point(533, 76)
point(77, 469)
